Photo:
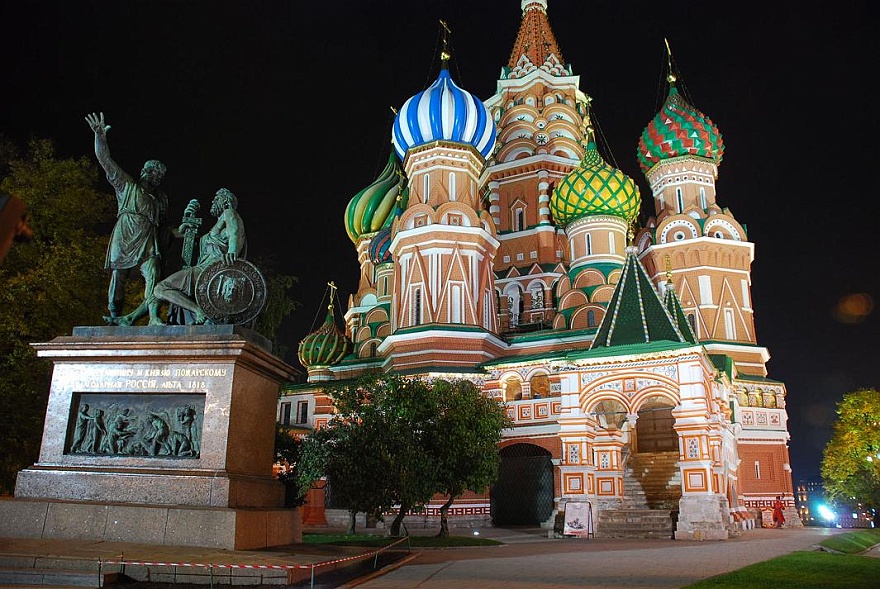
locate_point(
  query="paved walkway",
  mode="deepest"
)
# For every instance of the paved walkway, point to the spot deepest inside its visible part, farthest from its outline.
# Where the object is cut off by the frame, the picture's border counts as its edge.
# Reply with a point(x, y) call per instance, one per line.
point(599, 564)
point(528, 559)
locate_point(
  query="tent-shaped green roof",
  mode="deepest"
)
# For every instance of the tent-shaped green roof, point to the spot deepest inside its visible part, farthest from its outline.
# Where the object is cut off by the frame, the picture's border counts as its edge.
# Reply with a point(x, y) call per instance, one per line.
point(673, 305)
point(636, 315)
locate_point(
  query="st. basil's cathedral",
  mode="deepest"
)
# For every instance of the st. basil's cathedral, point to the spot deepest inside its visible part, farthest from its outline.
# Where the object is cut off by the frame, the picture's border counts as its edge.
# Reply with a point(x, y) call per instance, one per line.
point(498, 246)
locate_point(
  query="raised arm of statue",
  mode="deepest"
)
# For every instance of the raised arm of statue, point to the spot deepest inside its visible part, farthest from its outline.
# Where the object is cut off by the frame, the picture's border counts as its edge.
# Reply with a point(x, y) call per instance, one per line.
point(115, 175)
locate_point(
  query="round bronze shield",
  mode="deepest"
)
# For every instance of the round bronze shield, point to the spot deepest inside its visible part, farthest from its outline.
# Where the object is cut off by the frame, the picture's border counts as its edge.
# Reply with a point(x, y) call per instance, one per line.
point(231, 293)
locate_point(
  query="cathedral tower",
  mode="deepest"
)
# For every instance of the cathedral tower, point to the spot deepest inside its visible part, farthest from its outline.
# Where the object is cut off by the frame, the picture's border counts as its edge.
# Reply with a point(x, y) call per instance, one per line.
point(443, 245)
point(707, 248)
point(540, 114)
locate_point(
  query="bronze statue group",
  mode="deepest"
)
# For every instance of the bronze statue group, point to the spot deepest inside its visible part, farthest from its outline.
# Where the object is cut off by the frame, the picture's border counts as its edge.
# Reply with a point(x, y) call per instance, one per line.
point(141, 239)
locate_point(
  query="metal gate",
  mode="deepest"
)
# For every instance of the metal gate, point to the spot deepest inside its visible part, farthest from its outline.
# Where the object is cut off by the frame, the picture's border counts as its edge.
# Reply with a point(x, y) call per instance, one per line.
point(523, 494)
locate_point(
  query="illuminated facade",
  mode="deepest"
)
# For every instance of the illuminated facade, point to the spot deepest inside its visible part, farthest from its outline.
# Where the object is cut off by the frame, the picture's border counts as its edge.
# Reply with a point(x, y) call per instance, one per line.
point(500, 247)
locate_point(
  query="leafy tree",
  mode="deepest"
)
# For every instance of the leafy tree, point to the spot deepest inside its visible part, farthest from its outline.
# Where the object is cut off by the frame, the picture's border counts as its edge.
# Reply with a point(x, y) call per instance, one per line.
point(279, 303)
point(287, 455)
point(358, 479)
point(374, 453)
point(51, 283)
point(396, 441)
point(851, 460)
point(464, 442)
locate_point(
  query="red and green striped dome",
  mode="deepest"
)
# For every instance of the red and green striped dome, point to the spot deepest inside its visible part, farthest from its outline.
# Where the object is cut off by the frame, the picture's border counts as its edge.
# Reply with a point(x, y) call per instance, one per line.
point(594, 188)
point(373, 207)
point(324, 347)
point(679, 129)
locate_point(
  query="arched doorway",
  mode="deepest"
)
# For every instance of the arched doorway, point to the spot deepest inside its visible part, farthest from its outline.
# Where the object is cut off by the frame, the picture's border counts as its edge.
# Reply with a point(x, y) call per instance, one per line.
point(523, 493)
point(654, 427)
point(654, 462)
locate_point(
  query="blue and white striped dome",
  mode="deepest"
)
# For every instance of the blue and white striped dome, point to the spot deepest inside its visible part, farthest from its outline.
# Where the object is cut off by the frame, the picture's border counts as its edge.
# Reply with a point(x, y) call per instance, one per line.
point(443, 112)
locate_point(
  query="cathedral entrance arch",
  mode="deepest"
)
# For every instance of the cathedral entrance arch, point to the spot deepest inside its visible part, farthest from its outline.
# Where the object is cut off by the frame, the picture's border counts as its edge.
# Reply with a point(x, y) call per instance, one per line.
point(610, 414)
point(654, 427)
point(523, 493)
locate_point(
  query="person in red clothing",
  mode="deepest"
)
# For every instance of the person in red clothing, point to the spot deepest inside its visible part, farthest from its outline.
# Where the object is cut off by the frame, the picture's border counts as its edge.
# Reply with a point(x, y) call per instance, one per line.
point(778, 516)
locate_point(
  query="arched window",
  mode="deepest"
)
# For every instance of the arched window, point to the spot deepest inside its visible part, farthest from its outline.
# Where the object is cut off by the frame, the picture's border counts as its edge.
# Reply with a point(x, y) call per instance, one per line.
point(455, 304)
point(512, 389)
point(417, 307)
point(540, 385)
point(538, 297)
point(679, 200)
point(729, 326)
point(519, 219)
point(591, 318)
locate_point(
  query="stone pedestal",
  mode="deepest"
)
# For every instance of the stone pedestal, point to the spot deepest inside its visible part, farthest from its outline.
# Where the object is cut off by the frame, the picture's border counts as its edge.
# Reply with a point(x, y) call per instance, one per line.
point(161, 435)
point(702, 518)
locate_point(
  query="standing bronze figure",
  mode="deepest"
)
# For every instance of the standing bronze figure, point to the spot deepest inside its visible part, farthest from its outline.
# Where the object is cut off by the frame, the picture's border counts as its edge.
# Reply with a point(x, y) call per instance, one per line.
point(137, 237)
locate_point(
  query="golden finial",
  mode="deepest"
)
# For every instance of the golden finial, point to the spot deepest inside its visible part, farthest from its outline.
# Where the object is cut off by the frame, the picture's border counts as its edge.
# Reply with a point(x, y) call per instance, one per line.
point(668, 263)
point(587, 125)
point(401, 178)
point(445, 55)
point(394, 110)
point(671, 76)
point(332, 286)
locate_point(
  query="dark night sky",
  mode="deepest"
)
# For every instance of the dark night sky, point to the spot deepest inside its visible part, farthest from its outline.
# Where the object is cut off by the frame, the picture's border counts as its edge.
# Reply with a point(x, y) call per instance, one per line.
point(287, 104)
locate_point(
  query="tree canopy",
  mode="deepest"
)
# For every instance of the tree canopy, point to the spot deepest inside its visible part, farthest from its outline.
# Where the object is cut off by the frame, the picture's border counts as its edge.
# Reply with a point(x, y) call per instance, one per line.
point(396, 441)
point(464, 442)
point(51, 283)
point(851, 460)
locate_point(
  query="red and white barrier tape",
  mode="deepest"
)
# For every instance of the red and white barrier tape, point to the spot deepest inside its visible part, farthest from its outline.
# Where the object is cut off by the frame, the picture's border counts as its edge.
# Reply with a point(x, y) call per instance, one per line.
point(313, 565)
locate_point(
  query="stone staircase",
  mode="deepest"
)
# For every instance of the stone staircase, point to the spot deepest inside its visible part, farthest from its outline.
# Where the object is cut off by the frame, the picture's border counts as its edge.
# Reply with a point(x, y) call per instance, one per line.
point(635, 523)
point(656, 477)
point(652, 483)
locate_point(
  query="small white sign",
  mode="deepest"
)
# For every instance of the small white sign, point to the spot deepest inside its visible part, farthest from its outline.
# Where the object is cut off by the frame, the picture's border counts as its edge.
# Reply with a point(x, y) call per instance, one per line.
point(578, 519)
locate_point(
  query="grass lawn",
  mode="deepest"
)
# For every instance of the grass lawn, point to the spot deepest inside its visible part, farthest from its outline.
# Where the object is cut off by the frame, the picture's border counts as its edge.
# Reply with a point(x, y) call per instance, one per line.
point(841, 569)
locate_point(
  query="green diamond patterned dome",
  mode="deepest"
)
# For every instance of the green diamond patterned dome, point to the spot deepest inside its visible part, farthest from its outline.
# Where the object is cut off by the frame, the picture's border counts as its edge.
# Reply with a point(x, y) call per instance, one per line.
point(594, 188)
point(324, 347)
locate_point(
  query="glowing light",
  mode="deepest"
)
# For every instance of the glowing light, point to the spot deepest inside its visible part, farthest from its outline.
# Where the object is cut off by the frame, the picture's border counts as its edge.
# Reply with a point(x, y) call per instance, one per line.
point(476, 532)
point(853, 308)
point(826, 513)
